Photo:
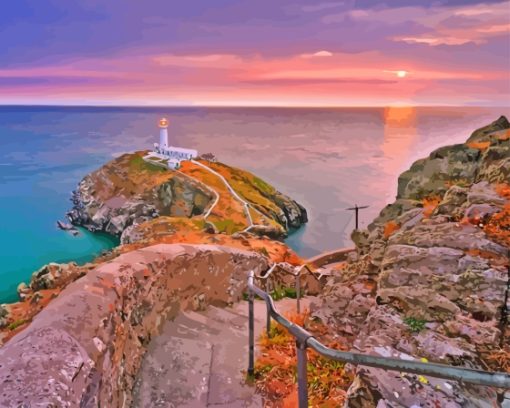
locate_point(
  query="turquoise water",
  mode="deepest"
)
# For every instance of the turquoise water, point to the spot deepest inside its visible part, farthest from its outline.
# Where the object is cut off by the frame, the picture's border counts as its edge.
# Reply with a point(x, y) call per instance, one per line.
point(327, 159)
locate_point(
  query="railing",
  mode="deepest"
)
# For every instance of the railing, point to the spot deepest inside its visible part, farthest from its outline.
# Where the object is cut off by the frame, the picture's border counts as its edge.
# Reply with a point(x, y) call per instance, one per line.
point(297, 282)
point(305, 339)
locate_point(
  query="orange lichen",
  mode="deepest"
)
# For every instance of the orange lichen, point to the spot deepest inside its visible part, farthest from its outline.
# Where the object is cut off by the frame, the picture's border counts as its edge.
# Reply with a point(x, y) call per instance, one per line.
point(503, 190)
point(494, 259)
point(498, 226)
point(479, 145)
point(275, 369)
point(429, 205)
point(389, 228)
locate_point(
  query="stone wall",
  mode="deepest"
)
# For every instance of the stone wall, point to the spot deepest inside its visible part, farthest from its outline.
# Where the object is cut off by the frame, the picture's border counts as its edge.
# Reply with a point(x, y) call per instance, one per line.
point(85, 348)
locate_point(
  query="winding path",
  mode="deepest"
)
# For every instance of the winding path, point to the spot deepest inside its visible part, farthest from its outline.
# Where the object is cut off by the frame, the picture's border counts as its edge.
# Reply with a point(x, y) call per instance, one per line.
point(246, 205)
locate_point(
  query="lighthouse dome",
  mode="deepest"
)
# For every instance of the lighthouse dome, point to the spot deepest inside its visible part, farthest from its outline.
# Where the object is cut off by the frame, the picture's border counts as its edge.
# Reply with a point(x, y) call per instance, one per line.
point(163, 123)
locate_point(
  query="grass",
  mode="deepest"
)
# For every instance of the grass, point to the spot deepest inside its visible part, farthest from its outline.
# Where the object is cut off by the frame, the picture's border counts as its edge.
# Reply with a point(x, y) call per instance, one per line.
point(275, 370)
point(16, 324)
point(137, 163)
point(228, 226)
point(415, 324)
point(281, 293)
point(250, 188)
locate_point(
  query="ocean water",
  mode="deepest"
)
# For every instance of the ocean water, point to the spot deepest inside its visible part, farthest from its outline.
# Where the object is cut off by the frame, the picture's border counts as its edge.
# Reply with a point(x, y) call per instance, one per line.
point(327, 159)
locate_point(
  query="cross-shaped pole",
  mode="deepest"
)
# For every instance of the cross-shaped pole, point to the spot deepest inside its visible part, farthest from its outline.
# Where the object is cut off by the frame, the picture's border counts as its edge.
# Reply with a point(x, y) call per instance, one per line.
point(356, 211)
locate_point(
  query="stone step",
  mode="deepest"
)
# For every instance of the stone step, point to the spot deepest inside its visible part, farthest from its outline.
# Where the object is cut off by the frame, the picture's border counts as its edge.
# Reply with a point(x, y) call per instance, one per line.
point(200, 359)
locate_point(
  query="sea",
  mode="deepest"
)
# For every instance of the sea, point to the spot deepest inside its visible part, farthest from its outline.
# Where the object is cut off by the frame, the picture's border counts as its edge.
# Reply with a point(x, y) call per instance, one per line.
point(328, 159)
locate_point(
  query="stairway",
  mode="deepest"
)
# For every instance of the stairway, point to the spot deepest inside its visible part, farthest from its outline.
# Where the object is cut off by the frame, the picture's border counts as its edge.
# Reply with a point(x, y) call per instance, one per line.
point(200, 358)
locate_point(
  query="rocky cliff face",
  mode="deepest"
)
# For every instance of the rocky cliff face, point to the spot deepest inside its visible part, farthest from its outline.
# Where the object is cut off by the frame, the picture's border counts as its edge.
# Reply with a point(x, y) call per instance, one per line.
point(431, 277)
point(128, 192)
point(85, 348)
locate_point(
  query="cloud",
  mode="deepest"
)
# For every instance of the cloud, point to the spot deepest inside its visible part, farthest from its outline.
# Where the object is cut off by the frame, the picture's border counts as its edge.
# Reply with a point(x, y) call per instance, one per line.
point(319, 54)
point(202, 49)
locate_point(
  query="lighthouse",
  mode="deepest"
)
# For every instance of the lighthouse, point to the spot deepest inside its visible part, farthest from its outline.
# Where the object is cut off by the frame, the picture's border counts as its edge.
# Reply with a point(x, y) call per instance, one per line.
point(163, 133)
point(166, 155)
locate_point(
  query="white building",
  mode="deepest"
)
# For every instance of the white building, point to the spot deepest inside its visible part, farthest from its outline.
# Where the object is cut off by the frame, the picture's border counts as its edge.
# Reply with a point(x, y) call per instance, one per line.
point(172, 155)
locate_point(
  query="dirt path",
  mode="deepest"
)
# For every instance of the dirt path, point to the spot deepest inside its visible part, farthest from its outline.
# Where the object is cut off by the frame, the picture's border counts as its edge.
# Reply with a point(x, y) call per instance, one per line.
point(200, 359)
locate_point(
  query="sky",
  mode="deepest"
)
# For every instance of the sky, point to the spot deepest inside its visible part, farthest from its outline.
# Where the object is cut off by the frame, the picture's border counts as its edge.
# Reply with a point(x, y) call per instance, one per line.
point(255, 52)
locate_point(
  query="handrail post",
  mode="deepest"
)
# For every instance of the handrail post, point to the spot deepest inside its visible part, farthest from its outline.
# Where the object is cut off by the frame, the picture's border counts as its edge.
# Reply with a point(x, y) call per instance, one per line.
point(268, 322)
point(302, 374)
point(298, 291)
point(251, 328)
point(268, 312)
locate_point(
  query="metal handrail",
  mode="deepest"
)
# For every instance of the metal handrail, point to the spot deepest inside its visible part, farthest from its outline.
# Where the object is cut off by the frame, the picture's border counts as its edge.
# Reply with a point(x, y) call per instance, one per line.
point(297, 284)
point(305, 339)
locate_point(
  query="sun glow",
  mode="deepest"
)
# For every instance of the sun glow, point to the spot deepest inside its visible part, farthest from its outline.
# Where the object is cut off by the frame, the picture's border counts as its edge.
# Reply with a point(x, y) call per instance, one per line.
point(401, 74)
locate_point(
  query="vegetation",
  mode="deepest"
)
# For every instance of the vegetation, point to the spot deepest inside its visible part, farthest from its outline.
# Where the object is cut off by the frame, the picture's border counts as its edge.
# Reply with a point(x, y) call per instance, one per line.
point(252, 189)
point(281, 293)
point(14, 325)
point(275, 370)
point(137, 163)
point(498, 359)
point(415, 324)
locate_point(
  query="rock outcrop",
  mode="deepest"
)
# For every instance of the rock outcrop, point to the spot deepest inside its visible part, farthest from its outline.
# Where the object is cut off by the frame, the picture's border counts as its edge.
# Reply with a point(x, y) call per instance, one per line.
point(431, 278)
point(85, 348)
point(128, 191)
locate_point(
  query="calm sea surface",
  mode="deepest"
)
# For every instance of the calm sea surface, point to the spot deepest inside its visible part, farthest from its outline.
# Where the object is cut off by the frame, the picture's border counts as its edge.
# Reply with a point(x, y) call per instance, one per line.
point(327, 159)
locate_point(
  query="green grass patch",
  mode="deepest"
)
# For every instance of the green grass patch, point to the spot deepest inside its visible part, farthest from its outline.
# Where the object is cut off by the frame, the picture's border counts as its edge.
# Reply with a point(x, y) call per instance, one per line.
point(281, 293)
point(137, 163)
point(228, 226)
point(16, 324)
point(414, 324)
point(263, 186)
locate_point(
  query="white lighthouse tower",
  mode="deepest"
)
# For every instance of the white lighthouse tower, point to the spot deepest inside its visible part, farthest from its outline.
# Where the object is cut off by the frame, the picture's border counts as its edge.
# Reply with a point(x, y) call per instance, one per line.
point(163, 133)
point(166, 155)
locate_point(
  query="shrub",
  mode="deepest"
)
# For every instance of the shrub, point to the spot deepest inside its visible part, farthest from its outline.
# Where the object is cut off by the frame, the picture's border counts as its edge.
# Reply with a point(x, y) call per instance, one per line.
point(275, 370)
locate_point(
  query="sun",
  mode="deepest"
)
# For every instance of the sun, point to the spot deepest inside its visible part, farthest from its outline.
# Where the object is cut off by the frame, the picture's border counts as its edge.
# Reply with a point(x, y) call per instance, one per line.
point(401, 74)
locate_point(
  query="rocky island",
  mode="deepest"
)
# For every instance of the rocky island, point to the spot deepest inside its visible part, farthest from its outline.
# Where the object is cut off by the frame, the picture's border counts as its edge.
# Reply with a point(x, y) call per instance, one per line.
point(428, 280)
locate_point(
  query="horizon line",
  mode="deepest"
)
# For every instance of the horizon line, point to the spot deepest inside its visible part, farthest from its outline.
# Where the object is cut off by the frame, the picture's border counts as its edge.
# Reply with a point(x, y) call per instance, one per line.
point(396, 105)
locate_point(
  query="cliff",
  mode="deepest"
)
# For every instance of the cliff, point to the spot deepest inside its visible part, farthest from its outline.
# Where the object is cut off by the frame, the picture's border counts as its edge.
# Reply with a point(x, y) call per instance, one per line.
point(430, 277)
point(123, 195)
